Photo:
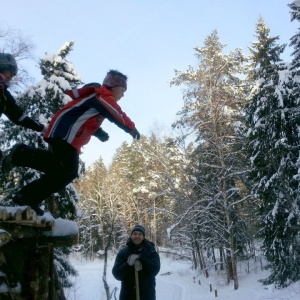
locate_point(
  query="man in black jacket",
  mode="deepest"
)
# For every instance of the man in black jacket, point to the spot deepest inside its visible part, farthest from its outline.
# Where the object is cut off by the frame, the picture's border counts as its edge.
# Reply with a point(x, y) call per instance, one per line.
point(138, 255)
point(8, 105)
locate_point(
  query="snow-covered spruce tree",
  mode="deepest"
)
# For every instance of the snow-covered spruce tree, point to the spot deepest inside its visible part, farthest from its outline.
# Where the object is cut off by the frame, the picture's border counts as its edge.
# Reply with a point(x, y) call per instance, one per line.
point(293, 90)
point(295, 40)
point(41, 101)
point(212, 105)
point(273, 145)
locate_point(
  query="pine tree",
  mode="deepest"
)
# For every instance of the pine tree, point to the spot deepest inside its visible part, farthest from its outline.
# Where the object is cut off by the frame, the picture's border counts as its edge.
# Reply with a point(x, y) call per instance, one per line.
point(273, 146)
point(212, 109)
point(40, 102)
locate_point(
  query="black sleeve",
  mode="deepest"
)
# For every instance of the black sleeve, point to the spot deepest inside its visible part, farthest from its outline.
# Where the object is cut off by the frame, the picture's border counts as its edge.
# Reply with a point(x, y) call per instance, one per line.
point(120, 268)
point(10, 107)
point(15, 114)
point(150, 263)
point(101, 135)
point(31, 124)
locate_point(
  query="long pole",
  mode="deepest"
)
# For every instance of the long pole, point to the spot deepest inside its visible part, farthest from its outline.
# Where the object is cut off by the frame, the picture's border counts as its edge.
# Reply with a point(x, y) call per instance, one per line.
point(137, 286)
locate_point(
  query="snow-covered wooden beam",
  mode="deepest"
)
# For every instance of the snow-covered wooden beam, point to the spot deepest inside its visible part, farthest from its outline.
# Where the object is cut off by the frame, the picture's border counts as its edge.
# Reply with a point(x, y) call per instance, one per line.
point(23, 223)
point(24, 215)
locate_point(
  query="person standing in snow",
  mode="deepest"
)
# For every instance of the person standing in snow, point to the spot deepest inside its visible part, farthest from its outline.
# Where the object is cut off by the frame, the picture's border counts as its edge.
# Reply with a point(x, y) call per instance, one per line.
point(70, 128)
point(8, 105)
point(138, 255)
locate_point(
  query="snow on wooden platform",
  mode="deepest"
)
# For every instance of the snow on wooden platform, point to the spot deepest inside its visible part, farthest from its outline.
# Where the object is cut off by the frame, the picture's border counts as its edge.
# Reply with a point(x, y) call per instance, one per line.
point(24, 215)
point(23, 223)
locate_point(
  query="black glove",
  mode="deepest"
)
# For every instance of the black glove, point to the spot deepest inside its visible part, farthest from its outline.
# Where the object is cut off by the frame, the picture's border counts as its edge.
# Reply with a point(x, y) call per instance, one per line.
point(135, 134)
point(101, 135)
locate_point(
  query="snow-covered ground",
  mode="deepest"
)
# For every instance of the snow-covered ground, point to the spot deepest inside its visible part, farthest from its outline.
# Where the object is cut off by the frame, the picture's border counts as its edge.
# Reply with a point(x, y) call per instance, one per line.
point(177, 281)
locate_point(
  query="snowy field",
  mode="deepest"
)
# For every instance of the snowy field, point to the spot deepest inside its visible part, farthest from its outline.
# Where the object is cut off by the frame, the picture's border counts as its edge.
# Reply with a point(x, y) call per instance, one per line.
point(177, 281)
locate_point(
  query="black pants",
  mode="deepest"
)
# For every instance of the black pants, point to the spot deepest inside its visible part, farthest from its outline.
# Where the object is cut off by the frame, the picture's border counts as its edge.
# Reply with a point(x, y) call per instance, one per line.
point(59, 165)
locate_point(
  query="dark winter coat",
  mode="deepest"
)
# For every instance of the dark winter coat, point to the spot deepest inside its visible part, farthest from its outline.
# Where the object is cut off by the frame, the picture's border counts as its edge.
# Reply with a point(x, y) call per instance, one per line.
point(14, 113)
point(126, 274)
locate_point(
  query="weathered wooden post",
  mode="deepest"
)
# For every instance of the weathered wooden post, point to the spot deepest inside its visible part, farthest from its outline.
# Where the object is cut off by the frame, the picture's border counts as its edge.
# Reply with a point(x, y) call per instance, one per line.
point(27, 241)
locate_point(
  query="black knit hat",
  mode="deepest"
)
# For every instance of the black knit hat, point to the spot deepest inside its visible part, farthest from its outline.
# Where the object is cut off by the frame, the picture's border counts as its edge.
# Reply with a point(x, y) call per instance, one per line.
point(8, 63)
point(139, 228)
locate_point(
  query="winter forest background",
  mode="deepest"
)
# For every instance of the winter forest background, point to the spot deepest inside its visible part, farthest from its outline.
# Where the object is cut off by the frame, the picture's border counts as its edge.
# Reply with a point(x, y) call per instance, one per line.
point(223, 188)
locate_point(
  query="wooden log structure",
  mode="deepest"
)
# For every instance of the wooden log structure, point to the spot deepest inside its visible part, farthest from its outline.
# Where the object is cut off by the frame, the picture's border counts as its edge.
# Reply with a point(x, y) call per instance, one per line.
point(27, 241)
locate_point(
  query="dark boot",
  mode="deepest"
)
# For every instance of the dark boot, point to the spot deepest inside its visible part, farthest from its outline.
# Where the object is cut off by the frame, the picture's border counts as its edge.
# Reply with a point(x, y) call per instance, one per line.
point(7, 164)
point(19, 200)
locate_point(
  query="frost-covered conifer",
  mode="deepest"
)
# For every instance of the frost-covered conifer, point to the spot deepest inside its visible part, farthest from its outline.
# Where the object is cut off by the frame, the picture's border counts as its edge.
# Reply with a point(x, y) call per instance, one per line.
point(273, 147)
point(40, 102)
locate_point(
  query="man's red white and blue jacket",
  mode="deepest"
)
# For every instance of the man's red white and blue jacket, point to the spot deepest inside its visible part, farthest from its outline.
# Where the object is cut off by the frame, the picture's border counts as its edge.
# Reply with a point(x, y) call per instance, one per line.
point(80, 118)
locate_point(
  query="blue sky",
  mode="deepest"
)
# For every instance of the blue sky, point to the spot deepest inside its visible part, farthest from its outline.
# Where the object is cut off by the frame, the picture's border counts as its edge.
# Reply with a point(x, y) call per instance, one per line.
point(144, 39)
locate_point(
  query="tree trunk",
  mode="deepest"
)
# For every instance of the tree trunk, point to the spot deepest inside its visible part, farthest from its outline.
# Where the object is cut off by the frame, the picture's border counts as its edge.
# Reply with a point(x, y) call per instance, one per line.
point(106, 286)
point(221, 258)
point(214, 258)
point(234, 270)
